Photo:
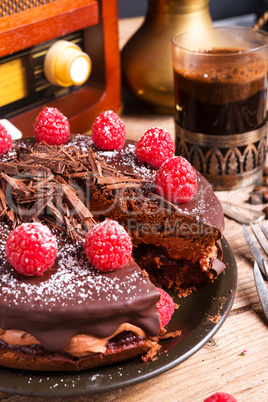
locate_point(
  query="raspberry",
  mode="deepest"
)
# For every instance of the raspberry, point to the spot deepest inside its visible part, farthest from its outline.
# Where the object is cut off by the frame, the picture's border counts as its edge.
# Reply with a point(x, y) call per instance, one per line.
point(165, 307)
point(155, 147)
point(31, 248)
point(220, 397)
point(52, 127)
point(5, 140)
point(108, 246)
point(108, 131)
point(176, 180)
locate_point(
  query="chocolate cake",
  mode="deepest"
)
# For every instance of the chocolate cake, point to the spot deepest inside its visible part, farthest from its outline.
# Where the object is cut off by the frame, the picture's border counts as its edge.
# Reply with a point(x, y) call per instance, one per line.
point(74, 317)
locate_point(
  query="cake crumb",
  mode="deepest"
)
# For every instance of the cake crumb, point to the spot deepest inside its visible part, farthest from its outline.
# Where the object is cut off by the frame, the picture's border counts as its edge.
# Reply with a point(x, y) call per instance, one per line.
point(155, 347)
point(152, 352)
point(168, 335)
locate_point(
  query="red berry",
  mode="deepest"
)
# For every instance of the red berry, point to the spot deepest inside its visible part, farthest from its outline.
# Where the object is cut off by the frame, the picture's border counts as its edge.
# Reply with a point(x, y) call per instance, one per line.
point(176, 180)
point(31, 248)
point(155, 147)
point(220, 397)
point(108, 246)
point(51, 127)
point(5, 140)
point(108, 131)
point(165, 307)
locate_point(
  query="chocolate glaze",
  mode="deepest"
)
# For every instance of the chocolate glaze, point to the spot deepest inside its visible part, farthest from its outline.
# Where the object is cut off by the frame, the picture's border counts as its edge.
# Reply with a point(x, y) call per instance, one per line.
point(73, 297)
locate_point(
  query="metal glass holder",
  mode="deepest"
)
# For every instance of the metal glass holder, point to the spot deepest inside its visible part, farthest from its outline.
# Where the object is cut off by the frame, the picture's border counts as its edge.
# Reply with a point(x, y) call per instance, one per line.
point(227, 161)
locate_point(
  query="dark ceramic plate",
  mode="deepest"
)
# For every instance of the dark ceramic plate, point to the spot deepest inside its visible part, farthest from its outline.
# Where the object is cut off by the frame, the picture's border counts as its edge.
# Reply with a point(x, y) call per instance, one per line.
point(194, 317)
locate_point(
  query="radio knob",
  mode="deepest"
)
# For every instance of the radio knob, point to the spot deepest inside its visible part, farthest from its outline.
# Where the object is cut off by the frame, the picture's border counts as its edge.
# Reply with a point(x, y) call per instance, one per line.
point(66, 64)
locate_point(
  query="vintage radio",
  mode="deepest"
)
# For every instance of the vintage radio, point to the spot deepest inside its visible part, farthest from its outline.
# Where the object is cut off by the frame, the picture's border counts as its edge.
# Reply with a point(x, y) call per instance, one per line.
point(60, 53)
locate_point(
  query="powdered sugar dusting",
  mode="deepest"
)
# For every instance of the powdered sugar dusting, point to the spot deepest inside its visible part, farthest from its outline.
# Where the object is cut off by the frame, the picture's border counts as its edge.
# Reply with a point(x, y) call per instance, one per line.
point(127, 160)
point(71, 283)
point(124, 160)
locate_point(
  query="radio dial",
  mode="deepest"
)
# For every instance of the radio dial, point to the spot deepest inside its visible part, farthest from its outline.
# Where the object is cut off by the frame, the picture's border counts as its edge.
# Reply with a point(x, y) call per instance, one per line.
point(66, 64)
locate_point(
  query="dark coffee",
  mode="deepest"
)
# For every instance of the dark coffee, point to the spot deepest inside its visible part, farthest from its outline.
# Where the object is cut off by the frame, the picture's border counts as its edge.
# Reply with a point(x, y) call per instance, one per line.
point(221, 100)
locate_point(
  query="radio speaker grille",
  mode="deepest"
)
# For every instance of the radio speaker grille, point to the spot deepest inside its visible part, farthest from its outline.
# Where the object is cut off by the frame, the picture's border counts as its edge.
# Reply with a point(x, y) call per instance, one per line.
point(17, 6)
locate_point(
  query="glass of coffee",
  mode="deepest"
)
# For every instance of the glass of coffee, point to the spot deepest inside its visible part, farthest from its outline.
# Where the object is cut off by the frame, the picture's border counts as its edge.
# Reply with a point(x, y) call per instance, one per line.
point(220, 81)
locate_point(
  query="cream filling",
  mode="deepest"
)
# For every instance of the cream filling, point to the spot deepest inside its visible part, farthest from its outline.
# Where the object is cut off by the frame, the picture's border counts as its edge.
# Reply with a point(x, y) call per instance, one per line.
point(80, 345)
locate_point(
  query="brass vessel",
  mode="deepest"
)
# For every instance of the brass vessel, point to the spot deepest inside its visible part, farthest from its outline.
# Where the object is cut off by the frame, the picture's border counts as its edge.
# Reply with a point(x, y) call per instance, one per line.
point(147, 58)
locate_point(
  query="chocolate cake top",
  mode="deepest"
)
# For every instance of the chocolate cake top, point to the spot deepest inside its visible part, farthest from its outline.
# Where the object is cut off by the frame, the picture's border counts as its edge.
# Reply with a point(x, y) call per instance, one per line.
point(70, 170)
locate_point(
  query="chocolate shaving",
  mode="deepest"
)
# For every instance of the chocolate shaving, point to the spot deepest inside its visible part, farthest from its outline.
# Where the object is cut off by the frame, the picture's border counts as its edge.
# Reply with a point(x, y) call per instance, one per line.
point(16, 186)
point(36, 210)
point(114, 183)
point(53, 164)
point(9, 168)
point(48, 184)
point(72, 199)
point(2, 200)
point(94, 163)
point(34, 184)
point(51, 184)
point(57, 214)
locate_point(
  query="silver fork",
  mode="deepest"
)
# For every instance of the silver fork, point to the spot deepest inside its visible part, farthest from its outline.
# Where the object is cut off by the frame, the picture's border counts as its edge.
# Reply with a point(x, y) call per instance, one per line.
point(260, 269)
point(261, 287)
point(257, 253)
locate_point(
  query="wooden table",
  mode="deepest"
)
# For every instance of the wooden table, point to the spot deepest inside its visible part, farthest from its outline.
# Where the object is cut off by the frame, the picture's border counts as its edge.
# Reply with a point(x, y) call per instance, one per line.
point(221, 364)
